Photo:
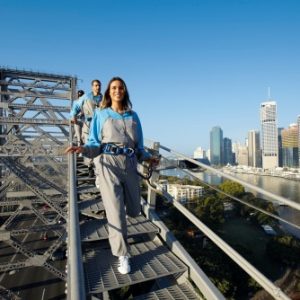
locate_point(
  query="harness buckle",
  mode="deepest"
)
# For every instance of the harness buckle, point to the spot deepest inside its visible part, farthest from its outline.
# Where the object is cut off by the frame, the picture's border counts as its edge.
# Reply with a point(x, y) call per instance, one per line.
point(128, 151)
point(115, 150)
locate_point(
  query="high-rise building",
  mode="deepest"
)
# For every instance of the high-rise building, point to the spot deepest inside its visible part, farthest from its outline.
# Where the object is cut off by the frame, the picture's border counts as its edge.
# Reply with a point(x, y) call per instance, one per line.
point(290, 148)
point(200, 153)
point(254, 152)
point(208, 154)
point(269, 134)
point(280, 163)
point(298, 140)
point(216, 146)
point(227, 157)
point(242, 155)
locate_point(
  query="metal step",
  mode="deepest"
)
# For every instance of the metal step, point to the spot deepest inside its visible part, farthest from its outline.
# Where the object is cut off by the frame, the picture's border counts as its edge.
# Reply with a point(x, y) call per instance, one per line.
point(91, 205)
point(174, 292)
point(148, 261)
point(86, 178)
point(87, 189)
point(95, 230)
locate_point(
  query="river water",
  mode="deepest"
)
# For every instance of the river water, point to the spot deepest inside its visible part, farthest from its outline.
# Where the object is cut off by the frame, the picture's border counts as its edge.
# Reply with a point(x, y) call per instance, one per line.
point(286, 188)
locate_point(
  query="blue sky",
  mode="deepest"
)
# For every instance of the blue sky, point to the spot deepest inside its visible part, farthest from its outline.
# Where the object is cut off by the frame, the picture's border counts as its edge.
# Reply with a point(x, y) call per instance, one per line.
point(189, 64)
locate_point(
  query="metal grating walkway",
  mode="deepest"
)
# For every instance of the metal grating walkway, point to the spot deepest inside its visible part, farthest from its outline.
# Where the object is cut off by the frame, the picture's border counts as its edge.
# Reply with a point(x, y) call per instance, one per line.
point(87, 189)
point(174, 292)
point(92, 205)
point(149, 260)
point(95, 230)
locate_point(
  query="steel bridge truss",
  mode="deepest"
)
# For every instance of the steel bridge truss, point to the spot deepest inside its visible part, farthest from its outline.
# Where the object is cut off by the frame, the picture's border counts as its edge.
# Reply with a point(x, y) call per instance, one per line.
point(34, 130)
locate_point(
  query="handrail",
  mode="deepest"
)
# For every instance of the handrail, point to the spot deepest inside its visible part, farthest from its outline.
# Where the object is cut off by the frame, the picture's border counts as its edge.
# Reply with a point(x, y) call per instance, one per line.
point(290, 203)
point(76, 286)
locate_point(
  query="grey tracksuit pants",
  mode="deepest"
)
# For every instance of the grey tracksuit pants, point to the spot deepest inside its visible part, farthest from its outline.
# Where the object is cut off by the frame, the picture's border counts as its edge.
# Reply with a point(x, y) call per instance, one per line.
point(88, 108)
point(85, 136)
point(120, 191)
point(77, 129)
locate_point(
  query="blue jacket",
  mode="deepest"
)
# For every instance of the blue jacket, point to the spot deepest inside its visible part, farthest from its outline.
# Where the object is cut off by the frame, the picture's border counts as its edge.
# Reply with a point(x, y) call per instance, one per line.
point(78, 105)
point(108, 126)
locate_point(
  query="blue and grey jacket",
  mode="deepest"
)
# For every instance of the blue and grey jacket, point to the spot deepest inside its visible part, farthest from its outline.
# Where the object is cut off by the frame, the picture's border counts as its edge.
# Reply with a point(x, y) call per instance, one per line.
point(85, 104)
point(124, 130)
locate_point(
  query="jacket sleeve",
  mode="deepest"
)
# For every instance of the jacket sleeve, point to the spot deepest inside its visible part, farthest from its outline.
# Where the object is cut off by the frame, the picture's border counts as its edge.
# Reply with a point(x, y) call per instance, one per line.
point(142, 154)
point(77, 105)
point(92, 148)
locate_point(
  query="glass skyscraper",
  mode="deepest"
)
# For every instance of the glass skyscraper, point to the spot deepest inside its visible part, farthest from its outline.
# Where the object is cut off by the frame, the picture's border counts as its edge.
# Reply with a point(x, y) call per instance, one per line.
point(290, 146)
point(227, 157)
point(254, 152)
point(298, 122)
point(216, 146)
point(269, 134)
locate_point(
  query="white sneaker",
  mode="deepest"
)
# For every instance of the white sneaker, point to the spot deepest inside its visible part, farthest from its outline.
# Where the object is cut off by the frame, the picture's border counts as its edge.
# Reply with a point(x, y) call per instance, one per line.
point(124, 266)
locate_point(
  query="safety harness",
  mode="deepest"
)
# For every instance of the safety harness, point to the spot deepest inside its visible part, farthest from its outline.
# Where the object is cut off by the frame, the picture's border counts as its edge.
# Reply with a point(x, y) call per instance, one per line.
point(113, 149)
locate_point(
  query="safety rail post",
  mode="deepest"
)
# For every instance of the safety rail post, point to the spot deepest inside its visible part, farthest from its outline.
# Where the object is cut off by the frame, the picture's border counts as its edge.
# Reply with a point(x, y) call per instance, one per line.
point(151, 195)
point(75, 283)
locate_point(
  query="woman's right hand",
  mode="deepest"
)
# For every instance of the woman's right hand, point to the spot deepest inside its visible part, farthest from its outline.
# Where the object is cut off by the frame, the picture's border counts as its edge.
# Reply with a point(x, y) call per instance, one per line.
point(74, 149)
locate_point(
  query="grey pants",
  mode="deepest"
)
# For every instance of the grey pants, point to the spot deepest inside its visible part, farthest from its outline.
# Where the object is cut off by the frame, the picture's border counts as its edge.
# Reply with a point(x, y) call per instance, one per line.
point(78, 134)
point(84, 137)
point(120, 191)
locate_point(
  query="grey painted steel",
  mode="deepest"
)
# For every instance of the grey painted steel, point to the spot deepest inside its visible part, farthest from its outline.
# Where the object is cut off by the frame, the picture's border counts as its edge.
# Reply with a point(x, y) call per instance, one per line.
point(173, 292)
point(25, 147)
point(95, 230)
point(76, 286)
point(196, 274)
point(93, 205)
point(36, 107)
point(19, 171)
point(28, 121)
point(242, 182)
point(149, 260)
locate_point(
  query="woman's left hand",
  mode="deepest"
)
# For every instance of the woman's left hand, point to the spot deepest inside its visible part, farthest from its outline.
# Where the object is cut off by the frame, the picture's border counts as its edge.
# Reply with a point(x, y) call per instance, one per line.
point(154, 161)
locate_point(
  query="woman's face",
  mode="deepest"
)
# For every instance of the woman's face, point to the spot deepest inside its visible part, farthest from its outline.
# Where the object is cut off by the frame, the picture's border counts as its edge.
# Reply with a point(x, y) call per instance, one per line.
point(116, 91)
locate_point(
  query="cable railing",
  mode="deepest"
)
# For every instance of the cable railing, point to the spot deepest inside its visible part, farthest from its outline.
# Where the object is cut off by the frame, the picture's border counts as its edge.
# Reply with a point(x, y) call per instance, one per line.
point(278, 198)
point(156, 188)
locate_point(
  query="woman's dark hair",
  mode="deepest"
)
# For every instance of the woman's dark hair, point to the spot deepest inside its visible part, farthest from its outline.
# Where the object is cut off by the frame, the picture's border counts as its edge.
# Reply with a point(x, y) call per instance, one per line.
point(106, 101)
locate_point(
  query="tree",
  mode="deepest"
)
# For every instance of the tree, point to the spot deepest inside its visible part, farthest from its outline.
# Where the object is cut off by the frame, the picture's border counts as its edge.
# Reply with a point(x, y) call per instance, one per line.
point(285, 249)
point(210, 210)
point(232, 188)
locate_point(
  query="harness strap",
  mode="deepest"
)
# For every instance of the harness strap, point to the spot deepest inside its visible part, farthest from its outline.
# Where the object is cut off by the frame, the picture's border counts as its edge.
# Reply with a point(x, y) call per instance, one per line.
point(113, 149)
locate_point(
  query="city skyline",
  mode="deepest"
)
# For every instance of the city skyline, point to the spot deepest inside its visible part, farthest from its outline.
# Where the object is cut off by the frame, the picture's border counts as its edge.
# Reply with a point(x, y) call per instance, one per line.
point(189, 65)
point(246, 137)
point(267, 148)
